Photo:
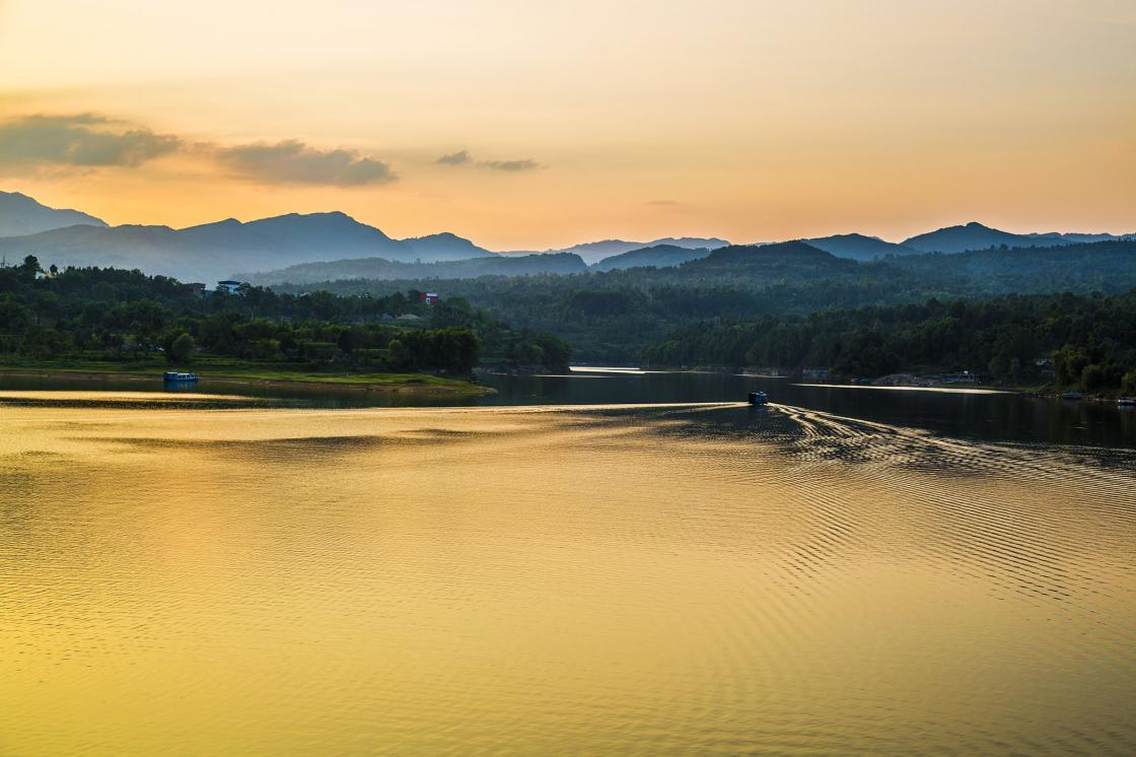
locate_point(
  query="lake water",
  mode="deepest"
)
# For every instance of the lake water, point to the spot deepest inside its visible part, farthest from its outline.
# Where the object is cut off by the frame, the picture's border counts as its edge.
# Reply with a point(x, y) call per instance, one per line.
point(987, 416)
point(199, 574)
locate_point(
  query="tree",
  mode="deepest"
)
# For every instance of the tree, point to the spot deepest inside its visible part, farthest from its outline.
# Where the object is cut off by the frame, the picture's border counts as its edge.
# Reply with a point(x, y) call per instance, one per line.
point(1069, 363)
point(14, 317)
point(999, 366)
point(1128, 384)
point(397, 352)
point(30, 268)
point(180, 349)
point(1093, 377)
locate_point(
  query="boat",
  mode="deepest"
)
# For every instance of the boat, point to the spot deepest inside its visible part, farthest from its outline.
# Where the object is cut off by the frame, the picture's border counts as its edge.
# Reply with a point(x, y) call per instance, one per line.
point(179, 377)
point(1126, 401)
point(1072, 396)
point(758, 399)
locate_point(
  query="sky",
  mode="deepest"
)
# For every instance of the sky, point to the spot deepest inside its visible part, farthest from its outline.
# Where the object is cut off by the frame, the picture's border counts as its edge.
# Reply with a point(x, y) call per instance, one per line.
point(527, 125)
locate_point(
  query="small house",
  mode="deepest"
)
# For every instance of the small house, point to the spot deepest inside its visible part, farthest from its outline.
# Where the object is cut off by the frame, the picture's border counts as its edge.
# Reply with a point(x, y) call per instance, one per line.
point(229, 287)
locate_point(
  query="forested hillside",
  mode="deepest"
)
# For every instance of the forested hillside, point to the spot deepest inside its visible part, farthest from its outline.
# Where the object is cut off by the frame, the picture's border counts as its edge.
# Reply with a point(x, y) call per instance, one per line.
point(379, 268)
point(612, 316)
point(662, 314)
point(1088, 342)
point(110, 314)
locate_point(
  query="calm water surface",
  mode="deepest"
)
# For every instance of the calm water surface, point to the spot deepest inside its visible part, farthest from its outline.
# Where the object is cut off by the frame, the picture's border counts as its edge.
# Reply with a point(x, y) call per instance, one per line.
point(195, 574)
point(988, 416)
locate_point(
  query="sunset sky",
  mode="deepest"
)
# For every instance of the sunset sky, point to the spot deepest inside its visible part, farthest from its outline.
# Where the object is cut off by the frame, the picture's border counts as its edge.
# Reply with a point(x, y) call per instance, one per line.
point(535, 125)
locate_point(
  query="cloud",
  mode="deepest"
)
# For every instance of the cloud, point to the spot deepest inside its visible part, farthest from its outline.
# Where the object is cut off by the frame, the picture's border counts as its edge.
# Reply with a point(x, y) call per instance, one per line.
point(90, 140)
point(462, 158)
point(293, 162)
point(82, 140)
point(510, 165)
point(455, 158)
point(672, 207)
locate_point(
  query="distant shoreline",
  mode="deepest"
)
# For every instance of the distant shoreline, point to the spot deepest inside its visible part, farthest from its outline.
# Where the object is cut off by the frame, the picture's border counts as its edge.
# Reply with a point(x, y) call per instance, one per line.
point(385, 383)
point(1040, 391)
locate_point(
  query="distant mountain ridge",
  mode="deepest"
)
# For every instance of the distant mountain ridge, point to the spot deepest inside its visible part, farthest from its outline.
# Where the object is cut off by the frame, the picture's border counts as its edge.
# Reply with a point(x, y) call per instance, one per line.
point(21, 215)
point(859, 247)
point(975, 236)
point(216, 250)
point(594, 252)
point(379, 269)
point(269, 245)
point(765, 256)
point(658, 256)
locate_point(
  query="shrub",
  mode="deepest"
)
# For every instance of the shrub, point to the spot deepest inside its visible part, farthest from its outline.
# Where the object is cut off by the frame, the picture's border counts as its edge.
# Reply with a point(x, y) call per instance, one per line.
point(180, 349)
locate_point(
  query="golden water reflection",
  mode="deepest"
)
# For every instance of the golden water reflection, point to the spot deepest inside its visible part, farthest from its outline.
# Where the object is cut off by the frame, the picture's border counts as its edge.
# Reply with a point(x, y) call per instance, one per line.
point(643, 580)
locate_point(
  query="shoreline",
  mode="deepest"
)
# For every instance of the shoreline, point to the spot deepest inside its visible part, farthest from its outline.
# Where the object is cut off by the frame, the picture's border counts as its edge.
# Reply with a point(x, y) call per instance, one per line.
point(385, 383)
point(1042, 391)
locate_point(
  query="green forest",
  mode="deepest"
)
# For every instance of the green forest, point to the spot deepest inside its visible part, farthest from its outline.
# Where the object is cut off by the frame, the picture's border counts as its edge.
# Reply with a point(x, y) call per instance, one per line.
point(615, 316)
point(93, 314)
point(1023, 317)
point(1082, 341)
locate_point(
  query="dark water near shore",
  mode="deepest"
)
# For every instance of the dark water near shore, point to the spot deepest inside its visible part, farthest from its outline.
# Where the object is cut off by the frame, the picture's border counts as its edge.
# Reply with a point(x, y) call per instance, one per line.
point(847, 571)
point(981, 415)
point(978, 415)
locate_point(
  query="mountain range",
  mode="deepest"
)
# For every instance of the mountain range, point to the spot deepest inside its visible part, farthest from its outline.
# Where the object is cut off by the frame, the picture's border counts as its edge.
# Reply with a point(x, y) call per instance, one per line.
point(217, 250)
point(334, 245)
point(21, 215)
point(859, 247)
point(950, 240)
point(975, 236)
point(657, 256)
point(593, 252)
point(378, 268)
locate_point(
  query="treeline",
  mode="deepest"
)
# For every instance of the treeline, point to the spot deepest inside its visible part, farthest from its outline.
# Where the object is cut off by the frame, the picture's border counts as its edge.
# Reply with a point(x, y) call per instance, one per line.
point(1082, 341)
point(611, 316)
point(118, 315)
point(318, 344)
point(614, 316)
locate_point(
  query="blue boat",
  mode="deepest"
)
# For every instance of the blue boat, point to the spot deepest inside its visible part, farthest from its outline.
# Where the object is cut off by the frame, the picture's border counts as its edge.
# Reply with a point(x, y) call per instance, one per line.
point(758, 399)
point(179, 377)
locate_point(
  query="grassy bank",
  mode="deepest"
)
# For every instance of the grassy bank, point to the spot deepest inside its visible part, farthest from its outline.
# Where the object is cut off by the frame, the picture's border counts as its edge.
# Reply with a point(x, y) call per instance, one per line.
point(230, 373)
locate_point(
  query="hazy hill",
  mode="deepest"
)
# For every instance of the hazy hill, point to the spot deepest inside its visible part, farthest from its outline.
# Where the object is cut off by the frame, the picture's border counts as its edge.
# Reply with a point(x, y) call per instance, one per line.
point(748, 258)
point(692, 243)
point(21, 215)
point(151, 248)
point(659, 256)
point(289, 235)
point(216, 250)
point(436, 247)
point(594, 252)
point(609, 316)
point(1088, 267)
point(346, 248)
point(378, 269)
point(975, 236)
point(859, 247)
point(300, 238)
